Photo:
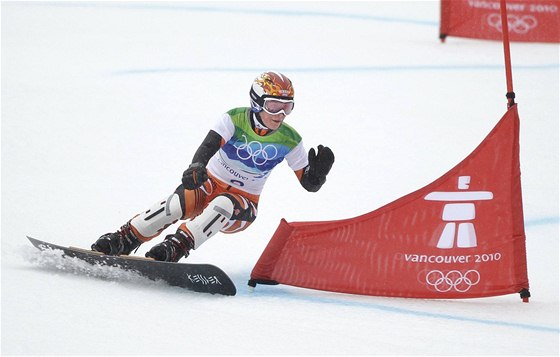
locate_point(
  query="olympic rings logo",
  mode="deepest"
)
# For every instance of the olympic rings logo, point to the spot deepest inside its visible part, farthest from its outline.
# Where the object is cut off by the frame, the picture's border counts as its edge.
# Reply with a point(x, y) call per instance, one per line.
point(518, 24)
point(255, 151)
point(452, 280)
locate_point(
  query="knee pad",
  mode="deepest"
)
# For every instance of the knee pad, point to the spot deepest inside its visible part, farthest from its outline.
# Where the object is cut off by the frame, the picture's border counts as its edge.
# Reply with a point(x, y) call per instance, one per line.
point(158, 217)
point(214, 217)
point(245, 213)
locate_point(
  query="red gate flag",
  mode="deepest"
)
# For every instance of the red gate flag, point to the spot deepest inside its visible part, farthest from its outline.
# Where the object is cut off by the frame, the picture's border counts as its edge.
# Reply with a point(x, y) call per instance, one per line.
point(528, 20)
point(461, 236)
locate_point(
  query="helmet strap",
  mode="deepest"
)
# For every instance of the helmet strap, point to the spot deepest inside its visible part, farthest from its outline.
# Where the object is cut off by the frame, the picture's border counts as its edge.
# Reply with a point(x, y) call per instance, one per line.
point(258, 125)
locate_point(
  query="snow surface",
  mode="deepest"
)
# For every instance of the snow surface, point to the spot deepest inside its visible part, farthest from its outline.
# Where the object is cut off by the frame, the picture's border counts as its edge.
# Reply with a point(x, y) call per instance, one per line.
point(104, 104)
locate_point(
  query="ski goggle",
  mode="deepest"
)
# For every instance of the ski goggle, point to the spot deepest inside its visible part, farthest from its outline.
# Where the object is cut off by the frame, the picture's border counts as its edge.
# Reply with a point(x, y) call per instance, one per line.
point(276, 106)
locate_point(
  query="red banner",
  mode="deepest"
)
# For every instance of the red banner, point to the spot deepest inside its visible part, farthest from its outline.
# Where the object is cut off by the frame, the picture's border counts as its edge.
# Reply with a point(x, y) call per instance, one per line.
point(528, 20)
point(462, 236)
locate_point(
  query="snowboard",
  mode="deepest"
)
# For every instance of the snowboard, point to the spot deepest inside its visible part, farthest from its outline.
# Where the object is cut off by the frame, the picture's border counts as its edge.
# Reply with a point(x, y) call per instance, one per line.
point(203, 278)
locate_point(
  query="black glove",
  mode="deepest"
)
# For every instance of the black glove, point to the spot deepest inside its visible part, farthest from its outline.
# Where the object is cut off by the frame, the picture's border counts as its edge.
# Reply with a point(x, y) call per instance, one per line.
point(320, 164)
point(194, 176)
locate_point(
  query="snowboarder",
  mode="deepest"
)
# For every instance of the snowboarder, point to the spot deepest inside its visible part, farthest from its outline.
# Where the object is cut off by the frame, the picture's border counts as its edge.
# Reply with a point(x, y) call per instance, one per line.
point(221, 187)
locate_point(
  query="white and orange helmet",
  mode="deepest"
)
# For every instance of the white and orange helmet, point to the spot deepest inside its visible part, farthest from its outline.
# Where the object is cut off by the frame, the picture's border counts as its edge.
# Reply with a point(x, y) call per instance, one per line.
point(271, 85)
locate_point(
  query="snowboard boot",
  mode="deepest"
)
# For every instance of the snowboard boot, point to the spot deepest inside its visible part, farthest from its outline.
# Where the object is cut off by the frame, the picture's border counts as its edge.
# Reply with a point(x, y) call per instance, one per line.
point(174, 247)
point(122, 242)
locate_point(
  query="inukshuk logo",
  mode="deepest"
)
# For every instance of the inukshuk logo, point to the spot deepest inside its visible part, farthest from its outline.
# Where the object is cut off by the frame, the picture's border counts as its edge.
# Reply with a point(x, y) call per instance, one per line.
point(459, 214)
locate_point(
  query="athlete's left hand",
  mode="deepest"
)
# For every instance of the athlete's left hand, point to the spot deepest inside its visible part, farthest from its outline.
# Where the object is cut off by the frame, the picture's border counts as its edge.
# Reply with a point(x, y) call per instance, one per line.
point(320, 163)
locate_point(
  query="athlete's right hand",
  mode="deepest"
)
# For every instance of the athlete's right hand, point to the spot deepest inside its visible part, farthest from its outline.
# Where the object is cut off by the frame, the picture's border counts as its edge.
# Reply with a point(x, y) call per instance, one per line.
point(194, 176)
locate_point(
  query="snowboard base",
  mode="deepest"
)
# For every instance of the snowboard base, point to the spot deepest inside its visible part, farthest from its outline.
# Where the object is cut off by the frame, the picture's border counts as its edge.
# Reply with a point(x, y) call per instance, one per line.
point(204, 278)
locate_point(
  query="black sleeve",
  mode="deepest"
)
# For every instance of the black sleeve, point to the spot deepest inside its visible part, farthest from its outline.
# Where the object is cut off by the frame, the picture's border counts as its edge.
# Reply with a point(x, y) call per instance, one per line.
point(210, 145)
